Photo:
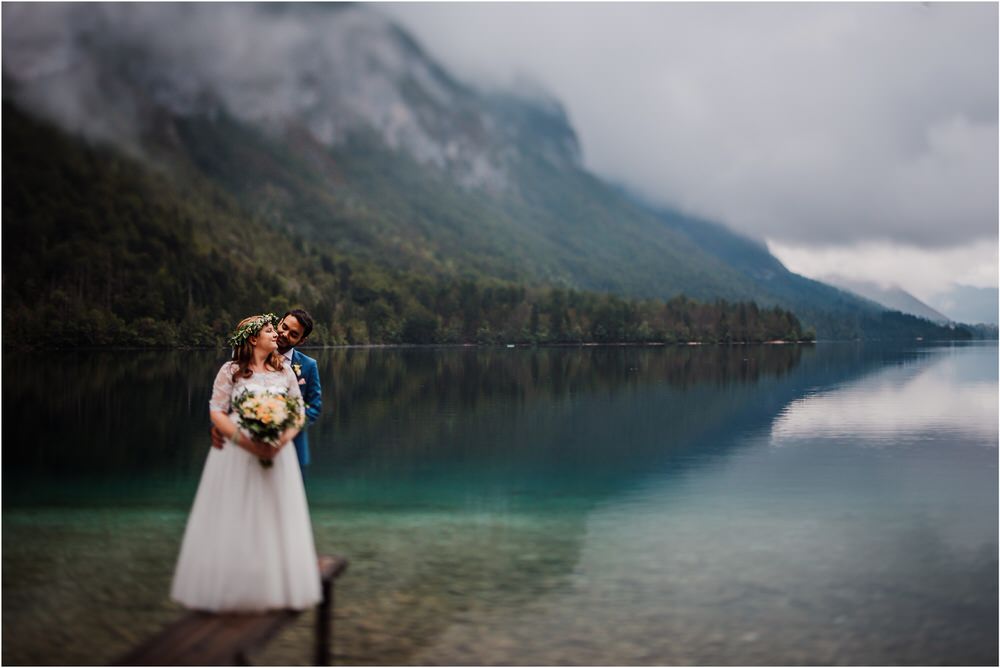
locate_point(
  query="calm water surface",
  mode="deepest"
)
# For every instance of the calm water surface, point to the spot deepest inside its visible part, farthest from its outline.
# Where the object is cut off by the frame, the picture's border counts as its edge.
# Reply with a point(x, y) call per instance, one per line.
point(834, 504)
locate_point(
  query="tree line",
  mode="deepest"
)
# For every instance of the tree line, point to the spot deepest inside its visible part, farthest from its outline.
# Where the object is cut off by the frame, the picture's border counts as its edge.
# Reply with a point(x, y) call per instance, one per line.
point(421, 310)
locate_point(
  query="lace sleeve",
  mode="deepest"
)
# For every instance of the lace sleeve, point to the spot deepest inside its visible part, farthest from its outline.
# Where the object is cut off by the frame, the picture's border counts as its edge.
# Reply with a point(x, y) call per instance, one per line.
point(222, 389)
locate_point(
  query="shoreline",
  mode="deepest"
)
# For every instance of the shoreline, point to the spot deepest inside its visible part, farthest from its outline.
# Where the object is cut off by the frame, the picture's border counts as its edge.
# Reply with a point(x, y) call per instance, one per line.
point(623, 344)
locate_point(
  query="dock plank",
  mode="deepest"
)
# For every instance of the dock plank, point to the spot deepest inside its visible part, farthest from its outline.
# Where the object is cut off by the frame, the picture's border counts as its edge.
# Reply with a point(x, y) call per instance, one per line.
point(218, 639)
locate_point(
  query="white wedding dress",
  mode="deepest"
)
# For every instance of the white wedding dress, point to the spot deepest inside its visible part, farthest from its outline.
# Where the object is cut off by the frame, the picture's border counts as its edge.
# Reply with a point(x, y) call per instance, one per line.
point(248, 545)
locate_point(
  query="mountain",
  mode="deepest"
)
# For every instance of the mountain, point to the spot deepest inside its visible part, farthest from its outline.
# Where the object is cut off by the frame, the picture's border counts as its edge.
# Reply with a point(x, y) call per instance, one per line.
point(327, 130)
point(892, 297)
point(965, 303)
point(112, 252)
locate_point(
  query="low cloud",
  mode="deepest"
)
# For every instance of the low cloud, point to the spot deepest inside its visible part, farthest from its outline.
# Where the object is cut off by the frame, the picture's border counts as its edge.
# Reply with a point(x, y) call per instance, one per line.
point(861, 136)
point(810, 124)
point(923, 272)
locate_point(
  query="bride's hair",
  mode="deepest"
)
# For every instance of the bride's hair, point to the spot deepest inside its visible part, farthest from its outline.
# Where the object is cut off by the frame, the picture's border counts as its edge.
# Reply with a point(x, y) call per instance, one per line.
point(243, 350)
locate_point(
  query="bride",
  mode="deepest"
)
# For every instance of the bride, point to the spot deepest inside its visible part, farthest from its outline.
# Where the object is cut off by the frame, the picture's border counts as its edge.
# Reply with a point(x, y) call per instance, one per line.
point(248, 545)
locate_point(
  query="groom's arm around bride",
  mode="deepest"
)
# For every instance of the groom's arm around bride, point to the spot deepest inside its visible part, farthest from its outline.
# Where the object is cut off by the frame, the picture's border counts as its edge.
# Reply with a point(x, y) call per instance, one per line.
point(293, 330)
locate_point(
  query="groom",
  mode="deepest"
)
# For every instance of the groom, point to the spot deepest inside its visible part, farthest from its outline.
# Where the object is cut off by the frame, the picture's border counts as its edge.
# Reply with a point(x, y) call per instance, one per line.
point(294, 328)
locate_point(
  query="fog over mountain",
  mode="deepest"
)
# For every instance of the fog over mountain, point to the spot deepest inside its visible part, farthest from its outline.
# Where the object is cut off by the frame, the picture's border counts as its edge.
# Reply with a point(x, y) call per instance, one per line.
point(330, 126)
point(102, 70)
point(862, 130)
point(811, 126)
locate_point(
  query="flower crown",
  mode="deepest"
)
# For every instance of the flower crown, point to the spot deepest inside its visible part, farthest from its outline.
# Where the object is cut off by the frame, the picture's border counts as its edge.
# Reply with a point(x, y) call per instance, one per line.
point(248, 329)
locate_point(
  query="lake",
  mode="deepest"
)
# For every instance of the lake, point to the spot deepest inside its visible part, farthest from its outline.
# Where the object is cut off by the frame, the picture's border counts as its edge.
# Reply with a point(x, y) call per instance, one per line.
point(827, 504)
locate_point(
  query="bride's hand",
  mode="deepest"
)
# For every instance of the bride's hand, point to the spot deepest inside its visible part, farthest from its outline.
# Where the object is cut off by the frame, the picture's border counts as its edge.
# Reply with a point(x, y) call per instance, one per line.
point(255, 447)
point(265, 450)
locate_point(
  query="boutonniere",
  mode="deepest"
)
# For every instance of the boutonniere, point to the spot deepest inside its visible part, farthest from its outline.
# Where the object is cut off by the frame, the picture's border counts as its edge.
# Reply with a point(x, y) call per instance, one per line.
point(297, 368)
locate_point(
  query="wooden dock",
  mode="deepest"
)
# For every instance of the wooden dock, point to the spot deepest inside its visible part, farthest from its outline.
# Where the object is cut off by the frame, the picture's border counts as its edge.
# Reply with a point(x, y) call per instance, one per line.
point(210, 639)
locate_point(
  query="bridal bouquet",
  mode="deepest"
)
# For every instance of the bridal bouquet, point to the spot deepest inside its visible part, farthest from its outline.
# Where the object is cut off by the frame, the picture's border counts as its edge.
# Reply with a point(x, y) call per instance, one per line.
point(266, 415)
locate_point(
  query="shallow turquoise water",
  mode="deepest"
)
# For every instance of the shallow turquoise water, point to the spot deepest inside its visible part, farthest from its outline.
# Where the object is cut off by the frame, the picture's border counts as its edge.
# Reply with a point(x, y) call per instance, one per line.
point(834, 504)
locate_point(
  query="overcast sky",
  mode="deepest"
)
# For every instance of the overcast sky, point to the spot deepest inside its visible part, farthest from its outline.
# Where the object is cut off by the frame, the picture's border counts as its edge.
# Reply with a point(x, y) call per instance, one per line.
point(856, 138)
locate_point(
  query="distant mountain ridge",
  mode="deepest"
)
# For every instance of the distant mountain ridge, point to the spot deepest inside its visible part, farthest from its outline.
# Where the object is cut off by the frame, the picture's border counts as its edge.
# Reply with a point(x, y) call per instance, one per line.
point(892, 297)
point(965, 303)
point(335, 128)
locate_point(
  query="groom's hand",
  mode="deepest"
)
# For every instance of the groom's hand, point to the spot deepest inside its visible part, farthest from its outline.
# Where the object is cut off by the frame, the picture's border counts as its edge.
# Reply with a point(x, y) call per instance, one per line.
point(217, 438)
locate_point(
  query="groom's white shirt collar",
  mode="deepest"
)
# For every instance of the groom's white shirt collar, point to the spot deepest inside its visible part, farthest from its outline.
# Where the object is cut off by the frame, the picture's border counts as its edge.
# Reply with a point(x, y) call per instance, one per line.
point(288, 355)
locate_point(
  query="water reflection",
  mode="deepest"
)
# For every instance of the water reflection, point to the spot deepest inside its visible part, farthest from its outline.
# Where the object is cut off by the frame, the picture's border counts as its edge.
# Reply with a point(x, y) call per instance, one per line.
point(549, 506)
point(106, 412)
point(949, 392)
point(139, 419)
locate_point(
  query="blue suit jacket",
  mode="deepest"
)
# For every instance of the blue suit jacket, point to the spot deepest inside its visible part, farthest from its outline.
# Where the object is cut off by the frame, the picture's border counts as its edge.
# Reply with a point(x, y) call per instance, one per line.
point(307, 371)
